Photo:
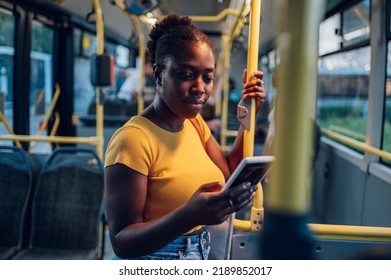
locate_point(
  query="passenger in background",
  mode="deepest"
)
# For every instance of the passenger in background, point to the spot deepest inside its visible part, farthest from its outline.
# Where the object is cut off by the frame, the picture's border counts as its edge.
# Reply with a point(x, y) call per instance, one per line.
point(130, 88)
point(164, 171)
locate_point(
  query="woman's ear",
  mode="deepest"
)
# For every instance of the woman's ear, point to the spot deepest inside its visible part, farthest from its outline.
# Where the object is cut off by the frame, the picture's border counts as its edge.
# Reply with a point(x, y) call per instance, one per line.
point(157, 74)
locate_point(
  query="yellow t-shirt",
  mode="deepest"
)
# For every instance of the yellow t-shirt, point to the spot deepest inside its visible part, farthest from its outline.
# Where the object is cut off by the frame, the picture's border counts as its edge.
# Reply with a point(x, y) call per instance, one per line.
point(176, 163)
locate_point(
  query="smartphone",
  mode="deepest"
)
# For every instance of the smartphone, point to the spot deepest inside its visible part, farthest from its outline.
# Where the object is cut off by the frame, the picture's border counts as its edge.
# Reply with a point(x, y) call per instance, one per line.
point(250, 169)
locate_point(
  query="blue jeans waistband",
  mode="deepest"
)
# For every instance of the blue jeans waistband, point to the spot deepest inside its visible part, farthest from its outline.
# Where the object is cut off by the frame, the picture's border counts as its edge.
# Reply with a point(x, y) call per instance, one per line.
point(192, 247)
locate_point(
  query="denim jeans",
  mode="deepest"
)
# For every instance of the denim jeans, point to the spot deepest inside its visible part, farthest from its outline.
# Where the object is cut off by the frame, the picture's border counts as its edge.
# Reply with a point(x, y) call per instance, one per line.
point(193, 247)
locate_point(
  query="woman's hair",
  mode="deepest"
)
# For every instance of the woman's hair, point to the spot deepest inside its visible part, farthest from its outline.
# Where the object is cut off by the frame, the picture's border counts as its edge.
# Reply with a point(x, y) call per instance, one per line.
point(171, 35)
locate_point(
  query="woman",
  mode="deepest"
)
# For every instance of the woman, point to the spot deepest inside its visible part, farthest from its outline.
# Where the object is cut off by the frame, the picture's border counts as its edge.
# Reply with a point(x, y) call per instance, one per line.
point(164, 171)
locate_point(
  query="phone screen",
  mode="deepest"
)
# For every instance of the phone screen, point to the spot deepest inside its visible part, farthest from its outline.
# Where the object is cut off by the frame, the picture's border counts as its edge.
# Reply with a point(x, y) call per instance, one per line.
point(252, 172)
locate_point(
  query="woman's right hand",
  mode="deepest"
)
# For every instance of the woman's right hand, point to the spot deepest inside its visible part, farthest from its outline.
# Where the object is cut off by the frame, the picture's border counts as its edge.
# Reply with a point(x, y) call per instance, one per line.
point(209, 205)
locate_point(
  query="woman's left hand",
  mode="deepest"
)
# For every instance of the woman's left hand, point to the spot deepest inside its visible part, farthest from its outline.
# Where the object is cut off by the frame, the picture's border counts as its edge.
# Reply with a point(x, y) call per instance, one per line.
point(254, 88)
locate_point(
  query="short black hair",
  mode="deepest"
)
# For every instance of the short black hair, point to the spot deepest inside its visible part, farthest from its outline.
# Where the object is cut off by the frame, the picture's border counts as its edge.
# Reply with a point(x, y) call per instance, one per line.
point(170, 35)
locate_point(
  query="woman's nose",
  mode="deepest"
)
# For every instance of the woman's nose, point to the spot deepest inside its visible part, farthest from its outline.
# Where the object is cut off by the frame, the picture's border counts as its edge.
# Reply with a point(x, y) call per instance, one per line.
point(198, 86)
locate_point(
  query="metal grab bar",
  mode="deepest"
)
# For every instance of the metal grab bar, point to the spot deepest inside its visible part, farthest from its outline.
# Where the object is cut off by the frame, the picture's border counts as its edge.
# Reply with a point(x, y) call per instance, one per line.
point(9, 129)
point(48, 115)
point(357, 144)
point(215, 18)
point(349, 232)
point(100, 39)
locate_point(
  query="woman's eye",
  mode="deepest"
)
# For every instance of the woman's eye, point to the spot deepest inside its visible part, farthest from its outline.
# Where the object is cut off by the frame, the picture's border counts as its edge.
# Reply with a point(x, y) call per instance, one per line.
point(208, 79)
point(185, 76)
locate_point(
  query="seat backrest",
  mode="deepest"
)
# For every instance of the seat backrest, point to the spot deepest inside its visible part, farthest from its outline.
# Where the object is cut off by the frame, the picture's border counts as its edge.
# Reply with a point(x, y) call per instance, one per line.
point(68, 202)
point(15, 188)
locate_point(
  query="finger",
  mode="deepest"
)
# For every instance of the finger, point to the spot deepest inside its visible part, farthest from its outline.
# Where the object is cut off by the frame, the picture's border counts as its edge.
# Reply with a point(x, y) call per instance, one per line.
point(253, 83)
point(244, 78)
point(235, 205)
point(257, 75)
point(244, 203)
point(245, 196)
point(211, 187)
point(242, 191)
point(239, 193)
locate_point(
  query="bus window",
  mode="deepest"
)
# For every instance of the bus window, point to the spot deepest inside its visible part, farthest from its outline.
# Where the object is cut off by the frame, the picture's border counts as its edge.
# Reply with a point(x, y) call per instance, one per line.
point(387, 112)
point(355, 25)
point(41, 72)
point(7, 28)
point(343, 92)
point(83, 90)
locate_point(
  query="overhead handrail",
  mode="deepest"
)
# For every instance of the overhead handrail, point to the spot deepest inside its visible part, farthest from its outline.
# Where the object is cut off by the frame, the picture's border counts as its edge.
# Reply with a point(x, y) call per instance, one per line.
point(357, 144)
point(214, 18)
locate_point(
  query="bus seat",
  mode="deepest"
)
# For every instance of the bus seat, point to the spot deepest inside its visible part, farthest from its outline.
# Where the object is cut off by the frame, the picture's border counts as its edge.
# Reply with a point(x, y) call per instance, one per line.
point(15, 189)
point(67, 208)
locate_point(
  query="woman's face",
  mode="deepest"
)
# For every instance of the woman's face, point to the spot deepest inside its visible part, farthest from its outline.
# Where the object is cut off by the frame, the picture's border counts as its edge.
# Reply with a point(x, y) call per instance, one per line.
point(187, 80)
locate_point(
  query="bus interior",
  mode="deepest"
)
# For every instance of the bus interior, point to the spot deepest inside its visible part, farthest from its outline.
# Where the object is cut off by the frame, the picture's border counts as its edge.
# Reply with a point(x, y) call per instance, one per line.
point(72, 72)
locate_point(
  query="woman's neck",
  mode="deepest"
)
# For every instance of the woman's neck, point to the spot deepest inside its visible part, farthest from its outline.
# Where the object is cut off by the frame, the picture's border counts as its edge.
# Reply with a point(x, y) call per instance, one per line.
point(163, 117)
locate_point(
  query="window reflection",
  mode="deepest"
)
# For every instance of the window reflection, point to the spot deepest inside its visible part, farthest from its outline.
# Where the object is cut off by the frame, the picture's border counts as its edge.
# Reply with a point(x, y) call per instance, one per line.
point(355, 27)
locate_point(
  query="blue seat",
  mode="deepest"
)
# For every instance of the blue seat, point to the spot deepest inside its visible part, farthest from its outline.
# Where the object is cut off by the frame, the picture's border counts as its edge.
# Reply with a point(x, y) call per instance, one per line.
point(15, 189)
point(67, 207)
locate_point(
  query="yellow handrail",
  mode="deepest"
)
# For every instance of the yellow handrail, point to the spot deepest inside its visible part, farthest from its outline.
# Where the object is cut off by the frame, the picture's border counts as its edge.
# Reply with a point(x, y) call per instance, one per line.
point(99, 51)
point(349, 232)
point(9, 129)
point(215, 18)
point(48, 115)
point(252, 66)
point(51, 109)
point(257, 212)
point(93, 140)
point(54, 129)
point(357, 144)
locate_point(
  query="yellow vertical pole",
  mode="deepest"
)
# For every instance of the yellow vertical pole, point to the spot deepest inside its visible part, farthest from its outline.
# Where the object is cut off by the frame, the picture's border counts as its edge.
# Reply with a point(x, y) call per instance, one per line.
point(225, 97)
point(252, 66)
point(99, 105)
point(298, 38)
point(286, 234)
point(257, 213)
